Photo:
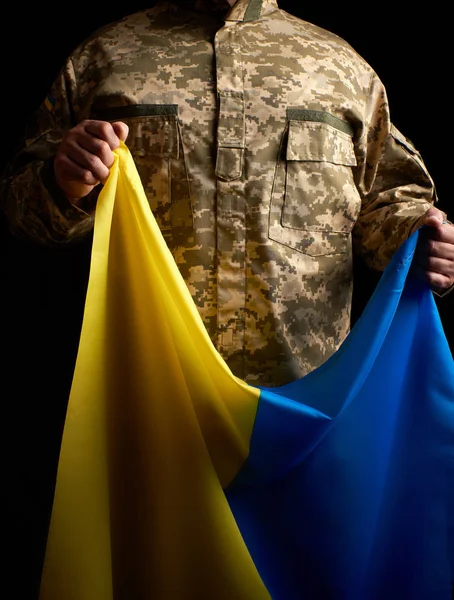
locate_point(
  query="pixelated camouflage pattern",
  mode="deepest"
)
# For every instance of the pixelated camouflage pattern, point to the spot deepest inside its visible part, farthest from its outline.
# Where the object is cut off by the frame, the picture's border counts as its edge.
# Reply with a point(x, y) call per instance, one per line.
point(266, 150)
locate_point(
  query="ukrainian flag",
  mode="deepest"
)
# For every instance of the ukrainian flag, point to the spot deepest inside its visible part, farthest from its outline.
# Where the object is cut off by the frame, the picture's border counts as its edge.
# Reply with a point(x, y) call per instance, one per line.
point(178, 481)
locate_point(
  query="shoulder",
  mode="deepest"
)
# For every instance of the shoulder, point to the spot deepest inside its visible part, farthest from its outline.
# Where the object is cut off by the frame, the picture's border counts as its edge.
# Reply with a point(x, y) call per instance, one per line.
point(132, 24)
point(110, 42)
point(325, 45)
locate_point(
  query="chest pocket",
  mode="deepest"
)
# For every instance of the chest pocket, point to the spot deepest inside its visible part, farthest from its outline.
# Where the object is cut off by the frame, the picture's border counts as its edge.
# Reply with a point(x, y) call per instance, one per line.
point(315, 202)
point(155, 143)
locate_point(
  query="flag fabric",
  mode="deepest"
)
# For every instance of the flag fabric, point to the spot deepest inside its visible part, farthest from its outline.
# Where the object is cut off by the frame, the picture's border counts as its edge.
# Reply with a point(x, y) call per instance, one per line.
point(177, 480)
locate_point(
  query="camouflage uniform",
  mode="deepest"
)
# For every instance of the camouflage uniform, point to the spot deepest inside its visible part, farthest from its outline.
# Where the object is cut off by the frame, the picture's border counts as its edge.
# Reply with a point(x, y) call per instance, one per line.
point(266, 150)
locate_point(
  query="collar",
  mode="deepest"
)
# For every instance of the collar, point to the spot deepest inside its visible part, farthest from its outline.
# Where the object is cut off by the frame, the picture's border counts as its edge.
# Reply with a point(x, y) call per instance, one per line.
point(250, 10)
point(243, 10)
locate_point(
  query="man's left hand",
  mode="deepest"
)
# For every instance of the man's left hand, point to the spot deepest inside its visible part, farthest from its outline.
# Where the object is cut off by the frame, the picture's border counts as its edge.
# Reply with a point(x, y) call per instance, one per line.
point(434, 260)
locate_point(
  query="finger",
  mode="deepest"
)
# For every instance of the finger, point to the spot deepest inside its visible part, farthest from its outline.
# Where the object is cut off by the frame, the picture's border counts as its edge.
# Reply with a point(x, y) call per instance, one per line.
point(103, 130)
point(435, 248)
point(442, 266)
point(435, 280)
point(444, 234)
point(434, 217)
point(437, 257)
point(71, 170)
point(121, 129)
point(81, 159)
point(87, 139)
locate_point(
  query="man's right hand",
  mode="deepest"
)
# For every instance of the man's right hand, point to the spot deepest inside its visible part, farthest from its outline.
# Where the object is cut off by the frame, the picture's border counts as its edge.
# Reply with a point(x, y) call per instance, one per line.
point(85, 156)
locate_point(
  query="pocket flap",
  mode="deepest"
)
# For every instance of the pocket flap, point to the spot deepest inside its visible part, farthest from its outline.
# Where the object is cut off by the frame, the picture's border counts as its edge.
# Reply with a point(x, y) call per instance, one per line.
point(317, 141)
point(153, 128)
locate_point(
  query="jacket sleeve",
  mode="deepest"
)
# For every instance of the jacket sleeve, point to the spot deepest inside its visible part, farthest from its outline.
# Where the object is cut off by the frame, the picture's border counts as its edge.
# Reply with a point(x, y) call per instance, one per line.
point(34, 205)
point(395, 186)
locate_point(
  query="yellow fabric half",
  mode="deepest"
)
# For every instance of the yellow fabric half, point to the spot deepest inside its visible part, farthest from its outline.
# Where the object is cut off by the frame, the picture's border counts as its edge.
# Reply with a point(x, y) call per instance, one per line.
point(156, 426)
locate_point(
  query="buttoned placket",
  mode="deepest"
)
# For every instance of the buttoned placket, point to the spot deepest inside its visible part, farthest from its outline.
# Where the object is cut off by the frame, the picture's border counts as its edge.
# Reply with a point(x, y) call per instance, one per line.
point(231, 198)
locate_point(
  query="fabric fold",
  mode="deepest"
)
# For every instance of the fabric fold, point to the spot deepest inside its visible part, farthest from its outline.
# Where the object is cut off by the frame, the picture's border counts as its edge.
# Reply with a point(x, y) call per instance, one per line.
point(177, 480)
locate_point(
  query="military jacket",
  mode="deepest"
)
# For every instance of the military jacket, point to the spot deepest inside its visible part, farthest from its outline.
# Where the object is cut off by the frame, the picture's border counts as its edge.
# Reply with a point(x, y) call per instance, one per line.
point(267, 154)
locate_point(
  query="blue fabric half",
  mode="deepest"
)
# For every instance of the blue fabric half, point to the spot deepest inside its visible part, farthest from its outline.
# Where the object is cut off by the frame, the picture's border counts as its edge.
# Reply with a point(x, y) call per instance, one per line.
point(348, 491)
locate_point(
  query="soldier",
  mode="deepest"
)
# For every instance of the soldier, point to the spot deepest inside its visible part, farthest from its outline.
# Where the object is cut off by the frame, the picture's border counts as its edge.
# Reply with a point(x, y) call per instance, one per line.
point(268, 156)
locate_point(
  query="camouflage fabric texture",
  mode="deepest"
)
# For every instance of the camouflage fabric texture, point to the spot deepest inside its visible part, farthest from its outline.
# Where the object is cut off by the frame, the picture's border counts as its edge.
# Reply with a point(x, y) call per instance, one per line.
point(268, 156)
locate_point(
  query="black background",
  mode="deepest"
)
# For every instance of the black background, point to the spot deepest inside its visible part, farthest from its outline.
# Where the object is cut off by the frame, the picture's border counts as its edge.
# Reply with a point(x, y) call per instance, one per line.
point(42, 290)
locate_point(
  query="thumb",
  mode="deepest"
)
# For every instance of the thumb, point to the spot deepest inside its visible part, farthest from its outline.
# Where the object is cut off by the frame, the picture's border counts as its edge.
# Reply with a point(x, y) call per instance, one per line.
point(121, 129)
point(434, 217)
